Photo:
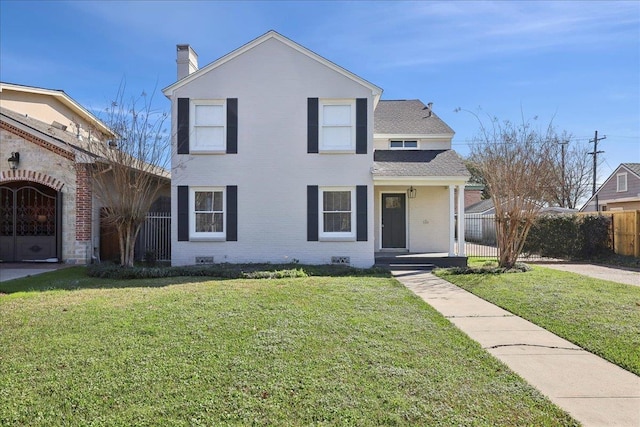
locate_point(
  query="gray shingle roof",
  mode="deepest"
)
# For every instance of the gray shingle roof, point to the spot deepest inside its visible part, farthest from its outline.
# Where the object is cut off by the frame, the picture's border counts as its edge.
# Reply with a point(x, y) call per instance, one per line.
point(633, 167)
point(409, 116)
point(418, 163)
point(481, 207)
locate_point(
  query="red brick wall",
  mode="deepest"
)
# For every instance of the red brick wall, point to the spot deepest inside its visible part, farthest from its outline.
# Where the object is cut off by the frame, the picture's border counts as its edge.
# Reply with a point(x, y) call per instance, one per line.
point(83, 202)
point(471, 197)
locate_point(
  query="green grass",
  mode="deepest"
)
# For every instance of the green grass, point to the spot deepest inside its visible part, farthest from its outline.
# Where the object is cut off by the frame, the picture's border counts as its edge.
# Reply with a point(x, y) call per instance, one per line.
point(302, 351)
point(600, 316)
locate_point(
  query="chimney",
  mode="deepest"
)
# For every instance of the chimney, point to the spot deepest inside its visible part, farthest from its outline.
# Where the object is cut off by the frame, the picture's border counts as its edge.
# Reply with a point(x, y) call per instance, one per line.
point(187, 60)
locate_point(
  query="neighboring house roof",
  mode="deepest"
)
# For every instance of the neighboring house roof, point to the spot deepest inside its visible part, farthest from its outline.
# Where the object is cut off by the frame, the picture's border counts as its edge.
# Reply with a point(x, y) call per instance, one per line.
point(634, 168)
point(483, 206)
point(410, 117)
point(63, 98)
point(274, 35)
point(66, 143)
point(428, 163)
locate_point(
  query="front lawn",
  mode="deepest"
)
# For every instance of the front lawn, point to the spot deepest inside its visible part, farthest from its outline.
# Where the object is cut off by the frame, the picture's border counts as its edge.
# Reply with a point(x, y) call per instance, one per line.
point(600, 316)
point(192, 351)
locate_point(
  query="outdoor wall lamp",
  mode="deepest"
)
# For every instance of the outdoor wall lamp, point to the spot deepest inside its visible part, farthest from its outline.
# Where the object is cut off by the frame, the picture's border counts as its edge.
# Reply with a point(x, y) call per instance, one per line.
point(14, 160)
point(412, 192)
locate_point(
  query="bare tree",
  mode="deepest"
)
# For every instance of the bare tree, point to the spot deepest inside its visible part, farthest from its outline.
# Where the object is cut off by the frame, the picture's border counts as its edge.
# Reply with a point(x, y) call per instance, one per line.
point(517, 163)
point(573, 172)
point(129, 171)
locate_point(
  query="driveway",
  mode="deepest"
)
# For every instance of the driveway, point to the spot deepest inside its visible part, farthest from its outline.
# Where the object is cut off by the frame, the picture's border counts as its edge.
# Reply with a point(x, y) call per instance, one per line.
point(620, 275)
point(11, 271)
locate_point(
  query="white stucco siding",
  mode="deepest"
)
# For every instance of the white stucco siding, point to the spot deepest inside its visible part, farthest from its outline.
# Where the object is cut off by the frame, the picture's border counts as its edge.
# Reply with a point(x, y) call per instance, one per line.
point(272, 168)
point(427, 217)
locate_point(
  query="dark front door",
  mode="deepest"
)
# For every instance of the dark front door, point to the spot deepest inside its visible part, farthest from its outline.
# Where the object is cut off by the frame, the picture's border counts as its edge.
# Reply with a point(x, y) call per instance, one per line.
point(394, 218)
point(28, 223)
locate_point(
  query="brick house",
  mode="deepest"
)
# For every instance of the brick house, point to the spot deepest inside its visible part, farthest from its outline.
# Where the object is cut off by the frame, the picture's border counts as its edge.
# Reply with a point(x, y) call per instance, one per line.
point(47, 211)
point(279, 154)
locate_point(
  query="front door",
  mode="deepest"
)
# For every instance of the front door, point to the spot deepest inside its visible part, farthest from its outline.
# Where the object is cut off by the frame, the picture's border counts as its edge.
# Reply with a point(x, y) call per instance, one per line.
point(394, 220)
point(28, 222)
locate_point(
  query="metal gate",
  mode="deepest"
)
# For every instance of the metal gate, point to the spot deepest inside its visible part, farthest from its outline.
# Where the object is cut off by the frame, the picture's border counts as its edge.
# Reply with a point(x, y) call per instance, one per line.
point(29, 222)
point(154, 239)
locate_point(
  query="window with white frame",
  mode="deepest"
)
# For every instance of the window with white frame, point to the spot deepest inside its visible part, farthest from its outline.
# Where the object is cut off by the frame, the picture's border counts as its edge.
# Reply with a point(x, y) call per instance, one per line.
point(207, 212)
point(337, 212)
point(208, 125)
point(337, 125)
point(622, 182)
point(399, 145)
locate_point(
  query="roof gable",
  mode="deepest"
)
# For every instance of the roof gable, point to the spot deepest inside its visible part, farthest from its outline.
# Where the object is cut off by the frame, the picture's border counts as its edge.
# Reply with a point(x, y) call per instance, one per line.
point(63, 98)
point(633, 168)
point(273, 35)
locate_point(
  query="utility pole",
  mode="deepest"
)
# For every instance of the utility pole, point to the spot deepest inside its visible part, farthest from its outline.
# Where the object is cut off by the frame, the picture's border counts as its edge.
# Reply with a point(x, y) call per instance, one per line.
point(564, 182)
point(595, 153)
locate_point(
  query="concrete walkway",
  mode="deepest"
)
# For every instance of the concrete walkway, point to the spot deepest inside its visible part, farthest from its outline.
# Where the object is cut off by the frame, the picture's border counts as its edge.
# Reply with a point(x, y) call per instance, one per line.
point(620, 275)
point(594, 391)
point(12, 271)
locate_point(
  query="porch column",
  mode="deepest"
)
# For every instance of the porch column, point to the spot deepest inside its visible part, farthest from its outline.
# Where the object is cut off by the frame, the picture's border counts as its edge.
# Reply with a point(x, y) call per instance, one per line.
point(452, 222)
point(461, 245)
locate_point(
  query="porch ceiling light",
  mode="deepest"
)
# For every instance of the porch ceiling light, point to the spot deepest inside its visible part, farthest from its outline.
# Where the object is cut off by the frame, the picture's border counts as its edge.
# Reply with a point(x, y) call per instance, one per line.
point(14, 160)
point(412, 192)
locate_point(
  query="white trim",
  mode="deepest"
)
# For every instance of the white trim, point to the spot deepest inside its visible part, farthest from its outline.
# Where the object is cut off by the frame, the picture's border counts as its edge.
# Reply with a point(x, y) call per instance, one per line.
point(461, 219)
point(207, 236)
point(620, 200)
point(406, 221)
point(336, 236)
point(452, 218)
point(194, 149)
point(375, 90)
point(626, 185)
point(351, 103)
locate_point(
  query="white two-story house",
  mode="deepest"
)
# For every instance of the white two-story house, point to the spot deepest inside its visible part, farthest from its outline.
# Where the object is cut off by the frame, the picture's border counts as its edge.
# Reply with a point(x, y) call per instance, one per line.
point(280, 155)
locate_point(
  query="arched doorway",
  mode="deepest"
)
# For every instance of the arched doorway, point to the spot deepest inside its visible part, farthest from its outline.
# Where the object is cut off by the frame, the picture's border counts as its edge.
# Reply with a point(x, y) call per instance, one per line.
point(30, 222)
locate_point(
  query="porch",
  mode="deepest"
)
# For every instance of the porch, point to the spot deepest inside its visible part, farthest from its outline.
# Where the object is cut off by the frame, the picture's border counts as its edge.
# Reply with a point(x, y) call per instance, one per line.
point(417, 261)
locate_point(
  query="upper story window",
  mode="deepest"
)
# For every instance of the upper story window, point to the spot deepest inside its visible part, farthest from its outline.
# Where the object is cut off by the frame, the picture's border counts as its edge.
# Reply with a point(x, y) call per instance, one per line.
point(208, 212)
point(337, 125)
point(622, 182)
point(399, 145)
point(337, 212)
point(208, 124)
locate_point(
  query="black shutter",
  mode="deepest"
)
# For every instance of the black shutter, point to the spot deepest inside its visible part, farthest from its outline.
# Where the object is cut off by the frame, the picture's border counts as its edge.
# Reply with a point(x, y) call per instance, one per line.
point(183, 213)
point(312, 125)
point(312, 213)
point(183, 125)
point(361, 213)
point(361, 126)
point(232, 125)
point(232, 213)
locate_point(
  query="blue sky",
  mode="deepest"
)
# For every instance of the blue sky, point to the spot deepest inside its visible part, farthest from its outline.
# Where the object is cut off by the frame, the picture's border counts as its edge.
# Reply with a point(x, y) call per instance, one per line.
point(577, 63)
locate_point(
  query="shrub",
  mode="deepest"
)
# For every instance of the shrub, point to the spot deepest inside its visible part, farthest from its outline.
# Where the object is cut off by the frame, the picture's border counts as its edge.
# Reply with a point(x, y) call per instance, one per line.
point(569, 236)
point(231, 271)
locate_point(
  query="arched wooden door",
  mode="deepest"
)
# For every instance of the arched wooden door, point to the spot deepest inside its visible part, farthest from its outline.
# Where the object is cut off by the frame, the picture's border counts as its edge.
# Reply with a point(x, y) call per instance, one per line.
point(30, 222)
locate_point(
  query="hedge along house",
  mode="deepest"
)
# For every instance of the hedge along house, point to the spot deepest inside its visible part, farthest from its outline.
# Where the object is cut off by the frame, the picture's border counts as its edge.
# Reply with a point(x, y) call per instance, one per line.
point(48, 211)
point(281, 155)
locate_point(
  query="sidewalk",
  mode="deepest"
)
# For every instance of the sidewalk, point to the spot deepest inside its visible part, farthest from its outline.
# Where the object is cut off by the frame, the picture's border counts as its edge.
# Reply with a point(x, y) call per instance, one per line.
point(620, 275)
point(594, 391)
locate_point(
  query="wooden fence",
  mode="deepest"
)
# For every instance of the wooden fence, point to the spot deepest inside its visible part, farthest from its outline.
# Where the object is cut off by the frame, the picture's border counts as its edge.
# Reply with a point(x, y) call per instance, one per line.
point(625, 231)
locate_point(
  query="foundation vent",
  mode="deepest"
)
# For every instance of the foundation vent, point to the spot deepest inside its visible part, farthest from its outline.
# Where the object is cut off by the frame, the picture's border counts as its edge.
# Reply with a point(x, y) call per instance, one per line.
point(204, 260)
point(341, 260)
